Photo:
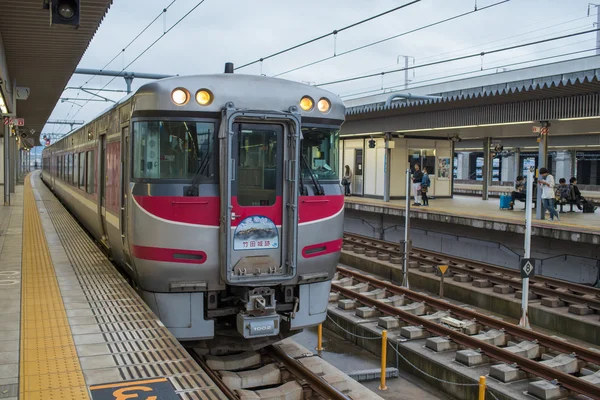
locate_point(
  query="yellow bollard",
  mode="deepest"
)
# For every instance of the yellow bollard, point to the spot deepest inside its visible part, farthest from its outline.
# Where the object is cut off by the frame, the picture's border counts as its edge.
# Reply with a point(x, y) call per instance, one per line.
point(320, 338)
point(382, 386)
point(482, 388)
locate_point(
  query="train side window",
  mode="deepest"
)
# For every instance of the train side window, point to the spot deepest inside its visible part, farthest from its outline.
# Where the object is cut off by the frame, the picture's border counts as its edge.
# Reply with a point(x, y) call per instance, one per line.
point(75, 169)
point(90, 171)
point(81, 183)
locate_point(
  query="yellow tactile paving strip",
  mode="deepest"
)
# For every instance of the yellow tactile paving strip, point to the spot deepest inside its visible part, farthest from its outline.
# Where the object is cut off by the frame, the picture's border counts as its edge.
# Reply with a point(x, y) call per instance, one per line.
point(49, 367)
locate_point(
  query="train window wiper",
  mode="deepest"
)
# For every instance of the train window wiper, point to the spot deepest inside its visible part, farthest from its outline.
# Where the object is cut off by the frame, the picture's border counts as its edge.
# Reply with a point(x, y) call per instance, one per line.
point(318, 188)
point(193, 190)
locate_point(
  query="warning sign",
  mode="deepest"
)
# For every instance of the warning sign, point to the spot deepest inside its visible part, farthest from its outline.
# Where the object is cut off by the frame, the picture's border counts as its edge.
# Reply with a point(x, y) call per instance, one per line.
point(149, 389)
point(443, 269)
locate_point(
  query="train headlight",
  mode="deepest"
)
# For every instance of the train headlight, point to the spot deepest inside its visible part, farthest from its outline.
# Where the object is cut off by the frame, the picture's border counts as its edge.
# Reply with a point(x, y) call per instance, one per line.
point(180, 96)
point(204, 97)
point(306, 103)
point(324, 105)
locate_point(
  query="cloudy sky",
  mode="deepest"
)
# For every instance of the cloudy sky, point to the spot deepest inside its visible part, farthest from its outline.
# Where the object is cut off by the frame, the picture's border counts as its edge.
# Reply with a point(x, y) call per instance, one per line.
point(242, 31)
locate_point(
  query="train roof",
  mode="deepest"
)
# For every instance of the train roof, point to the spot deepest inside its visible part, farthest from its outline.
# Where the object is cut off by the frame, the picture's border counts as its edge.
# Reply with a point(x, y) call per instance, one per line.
point(252, 92)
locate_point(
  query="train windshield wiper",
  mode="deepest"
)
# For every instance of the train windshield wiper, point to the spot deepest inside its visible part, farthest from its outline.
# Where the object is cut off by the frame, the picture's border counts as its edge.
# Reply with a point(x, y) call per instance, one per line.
point(318, 188)
point(193, 189)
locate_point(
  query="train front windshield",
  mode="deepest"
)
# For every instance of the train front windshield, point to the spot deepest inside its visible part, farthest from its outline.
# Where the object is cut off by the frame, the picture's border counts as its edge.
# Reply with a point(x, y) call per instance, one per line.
point(320, 153)
point(174, 150)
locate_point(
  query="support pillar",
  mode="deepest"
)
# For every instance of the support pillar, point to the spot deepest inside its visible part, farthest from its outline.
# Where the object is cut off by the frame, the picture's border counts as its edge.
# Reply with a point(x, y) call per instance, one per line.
point(487, 167)
point(542, 160)
point(386, 167)
point(574, 163)
point(6, 165)
point(13, 163)
point(517, 163)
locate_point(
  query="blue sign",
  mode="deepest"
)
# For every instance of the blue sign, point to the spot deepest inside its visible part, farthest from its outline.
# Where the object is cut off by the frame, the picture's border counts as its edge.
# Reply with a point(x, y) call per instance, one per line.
point(255, 233)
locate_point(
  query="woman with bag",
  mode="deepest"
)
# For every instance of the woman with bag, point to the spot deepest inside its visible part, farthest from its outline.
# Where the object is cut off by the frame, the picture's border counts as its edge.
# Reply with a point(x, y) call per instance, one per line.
point(425, 183)
point(346, 180)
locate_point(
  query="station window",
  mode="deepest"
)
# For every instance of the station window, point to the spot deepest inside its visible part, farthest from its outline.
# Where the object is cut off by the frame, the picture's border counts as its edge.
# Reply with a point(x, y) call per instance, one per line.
point(174, 150)
point(425, 158)
point(320, 153)
point(81, 183)
point(90, 171)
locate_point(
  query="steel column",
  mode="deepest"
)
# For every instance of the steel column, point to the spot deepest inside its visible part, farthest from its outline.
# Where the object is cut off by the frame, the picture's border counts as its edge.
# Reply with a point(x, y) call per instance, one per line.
point(542, 160)
point(13, 162)
point(386, 168)
point(486, 169)
point(6, 165)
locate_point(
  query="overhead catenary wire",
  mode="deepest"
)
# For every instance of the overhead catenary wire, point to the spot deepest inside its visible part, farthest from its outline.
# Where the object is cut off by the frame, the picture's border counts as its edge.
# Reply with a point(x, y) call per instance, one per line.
point(393, 87)
point(391, 38)
point(449, 73)
point(163, 12)
point(480, 54)
point(148, 48)
point(334, 32)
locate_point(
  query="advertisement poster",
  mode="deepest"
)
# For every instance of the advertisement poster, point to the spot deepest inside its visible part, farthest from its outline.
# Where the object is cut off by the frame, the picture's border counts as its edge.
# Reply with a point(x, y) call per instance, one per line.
point(443, 168)
point(254, 233)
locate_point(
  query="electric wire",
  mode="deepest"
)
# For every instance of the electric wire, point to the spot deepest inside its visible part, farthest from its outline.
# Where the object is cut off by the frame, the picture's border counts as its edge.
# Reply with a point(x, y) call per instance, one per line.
point(147, 48)
point(480, 54)
point(394, 87)
point(390, 38)
point(334, 32)
point(469, 70)
point(163, 12)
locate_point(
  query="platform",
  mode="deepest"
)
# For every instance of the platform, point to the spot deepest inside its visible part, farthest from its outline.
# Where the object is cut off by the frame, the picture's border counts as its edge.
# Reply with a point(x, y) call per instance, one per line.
point(486, 214)
point(497, 190)
point(72, 327)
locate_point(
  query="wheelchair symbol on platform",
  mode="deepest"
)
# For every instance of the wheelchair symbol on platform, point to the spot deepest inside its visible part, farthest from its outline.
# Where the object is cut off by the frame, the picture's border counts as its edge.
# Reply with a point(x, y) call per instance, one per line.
point(149, 389)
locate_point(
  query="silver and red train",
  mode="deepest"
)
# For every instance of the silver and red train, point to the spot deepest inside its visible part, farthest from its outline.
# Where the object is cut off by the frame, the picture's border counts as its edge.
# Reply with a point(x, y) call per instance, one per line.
point(219, 196)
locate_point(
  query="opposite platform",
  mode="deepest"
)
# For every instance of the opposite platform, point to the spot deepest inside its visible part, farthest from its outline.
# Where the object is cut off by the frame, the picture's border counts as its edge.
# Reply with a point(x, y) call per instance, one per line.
point(486, 214)
point(79, 330)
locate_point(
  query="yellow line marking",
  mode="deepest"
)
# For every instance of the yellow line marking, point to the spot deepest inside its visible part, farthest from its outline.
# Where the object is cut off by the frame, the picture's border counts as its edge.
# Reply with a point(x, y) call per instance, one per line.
point(129, 383)
point(49, 363)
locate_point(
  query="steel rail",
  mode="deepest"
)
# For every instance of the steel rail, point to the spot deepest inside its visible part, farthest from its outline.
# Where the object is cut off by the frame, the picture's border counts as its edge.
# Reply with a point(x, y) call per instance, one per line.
point(562, 346)
point(316, 383)
point(568, 381)
point(214, 376)
point(575, 287)
point(465, 265)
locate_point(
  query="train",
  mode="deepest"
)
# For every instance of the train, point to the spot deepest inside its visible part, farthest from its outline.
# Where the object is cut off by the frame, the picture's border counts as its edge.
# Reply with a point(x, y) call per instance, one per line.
point(218, 195)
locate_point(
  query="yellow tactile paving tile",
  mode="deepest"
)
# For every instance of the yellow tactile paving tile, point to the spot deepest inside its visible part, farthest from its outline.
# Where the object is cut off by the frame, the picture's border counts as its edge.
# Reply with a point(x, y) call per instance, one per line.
point(50, 368)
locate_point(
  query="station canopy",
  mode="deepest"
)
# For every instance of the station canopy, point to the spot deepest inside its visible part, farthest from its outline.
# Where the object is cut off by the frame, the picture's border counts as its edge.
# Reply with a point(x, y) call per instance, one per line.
point(42, 57)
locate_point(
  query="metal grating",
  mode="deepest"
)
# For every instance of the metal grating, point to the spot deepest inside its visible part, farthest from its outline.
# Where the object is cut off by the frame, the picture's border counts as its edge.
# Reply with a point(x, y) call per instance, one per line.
point(140, 346)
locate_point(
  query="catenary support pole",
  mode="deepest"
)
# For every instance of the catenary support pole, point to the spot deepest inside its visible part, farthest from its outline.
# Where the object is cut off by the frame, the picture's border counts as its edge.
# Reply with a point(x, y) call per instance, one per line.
point(524, 322)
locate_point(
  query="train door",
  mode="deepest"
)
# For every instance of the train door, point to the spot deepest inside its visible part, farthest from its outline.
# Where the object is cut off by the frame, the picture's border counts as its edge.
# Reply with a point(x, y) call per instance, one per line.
point(102, 189)
point(124, 189)
point(259, 221)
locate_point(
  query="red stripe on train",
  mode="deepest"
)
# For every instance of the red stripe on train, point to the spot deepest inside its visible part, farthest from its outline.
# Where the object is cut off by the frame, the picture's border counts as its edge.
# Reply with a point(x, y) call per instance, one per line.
point(169, 255)
point(206, 210)
point(320, 249)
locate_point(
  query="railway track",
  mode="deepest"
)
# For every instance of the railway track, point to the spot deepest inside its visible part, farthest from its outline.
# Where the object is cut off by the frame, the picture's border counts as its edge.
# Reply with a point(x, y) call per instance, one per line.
point(457, 327)
point(565, 291)
point(270, 373)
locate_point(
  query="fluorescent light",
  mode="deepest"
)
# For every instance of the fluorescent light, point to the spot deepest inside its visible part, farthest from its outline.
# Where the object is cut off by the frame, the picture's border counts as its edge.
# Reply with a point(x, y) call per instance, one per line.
point(576, 119)
point(3, 105)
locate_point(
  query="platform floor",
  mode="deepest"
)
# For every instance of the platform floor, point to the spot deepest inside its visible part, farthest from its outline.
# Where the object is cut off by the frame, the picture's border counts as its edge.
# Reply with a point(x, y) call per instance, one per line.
point(470, 206)
point(72, 327)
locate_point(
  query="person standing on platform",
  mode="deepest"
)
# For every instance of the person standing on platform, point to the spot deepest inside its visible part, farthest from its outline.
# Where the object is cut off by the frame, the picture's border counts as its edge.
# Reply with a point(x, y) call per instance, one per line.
point(547, 184)
point(425, 183)
point(417, 178)
point(347, 180)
